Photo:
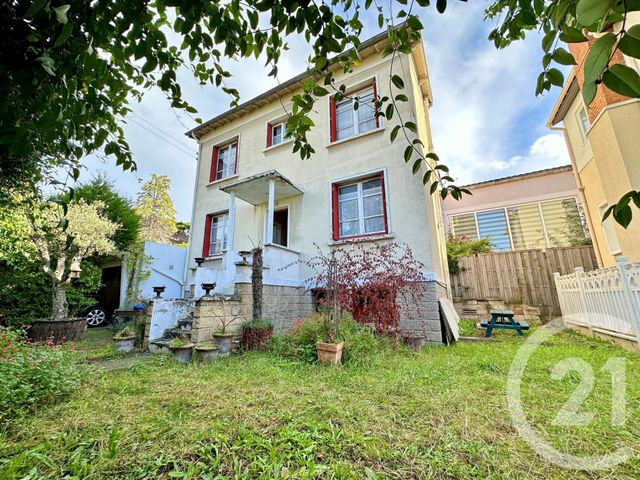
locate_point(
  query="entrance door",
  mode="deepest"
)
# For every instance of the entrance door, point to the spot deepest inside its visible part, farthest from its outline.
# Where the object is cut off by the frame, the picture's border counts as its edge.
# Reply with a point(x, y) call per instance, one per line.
point(281, 227)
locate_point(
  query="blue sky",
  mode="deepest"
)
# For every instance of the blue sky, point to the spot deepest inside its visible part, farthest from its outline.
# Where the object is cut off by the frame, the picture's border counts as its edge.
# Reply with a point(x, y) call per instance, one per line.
point(486, 120)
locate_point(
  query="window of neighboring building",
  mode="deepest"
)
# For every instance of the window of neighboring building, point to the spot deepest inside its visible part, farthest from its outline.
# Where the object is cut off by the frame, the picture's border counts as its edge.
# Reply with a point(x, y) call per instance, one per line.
point(563, 222)
point(527, 230)
point(493, 225)
point(610, 231)
point(347, 120)
point(224, 161)
point(276, 133)
point(553, 223)
point(215, 234)
point(359, 208)
point(583, 122)
point(464, 226)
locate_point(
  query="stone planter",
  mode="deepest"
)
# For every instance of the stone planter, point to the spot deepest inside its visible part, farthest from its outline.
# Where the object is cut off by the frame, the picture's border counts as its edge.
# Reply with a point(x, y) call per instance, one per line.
point(256, 338)
point(415, 341)
point(206, 354)
point(223, 340)
point(183, 354)
point(70, 330)
point(124, 344)
point(329, 352)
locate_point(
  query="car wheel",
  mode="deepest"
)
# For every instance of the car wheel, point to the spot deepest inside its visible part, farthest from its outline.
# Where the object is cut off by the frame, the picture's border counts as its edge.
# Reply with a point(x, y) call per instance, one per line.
point(96, 316)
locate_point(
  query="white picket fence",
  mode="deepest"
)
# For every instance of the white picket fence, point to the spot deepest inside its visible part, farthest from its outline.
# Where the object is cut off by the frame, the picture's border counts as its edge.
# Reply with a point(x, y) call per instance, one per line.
point(605, 301)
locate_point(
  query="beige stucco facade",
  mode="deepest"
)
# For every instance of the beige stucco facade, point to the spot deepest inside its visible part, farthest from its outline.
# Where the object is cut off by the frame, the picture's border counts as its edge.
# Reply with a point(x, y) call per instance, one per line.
point(604, 145)
point(413, 216)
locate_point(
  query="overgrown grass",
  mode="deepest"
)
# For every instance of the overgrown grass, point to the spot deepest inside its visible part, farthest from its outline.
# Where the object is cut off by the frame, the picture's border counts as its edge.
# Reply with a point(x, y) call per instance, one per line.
point(438, 413)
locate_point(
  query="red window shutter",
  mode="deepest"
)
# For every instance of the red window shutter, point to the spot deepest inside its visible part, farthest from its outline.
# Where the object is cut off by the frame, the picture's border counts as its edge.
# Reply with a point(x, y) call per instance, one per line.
point(336, 211)
point(269, 134)
point(214, 164)
point(375, 102)
point(384, 203)
point(332, 118)
point(207, 236)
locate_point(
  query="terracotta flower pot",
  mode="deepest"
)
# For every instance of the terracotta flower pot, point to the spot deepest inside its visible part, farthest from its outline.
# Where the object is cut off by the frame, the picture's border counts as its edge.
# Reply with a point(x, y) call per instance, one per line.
point(223, 340)
point(206, 354)
point(329, 352)
point(183, 354)
point(125, 344)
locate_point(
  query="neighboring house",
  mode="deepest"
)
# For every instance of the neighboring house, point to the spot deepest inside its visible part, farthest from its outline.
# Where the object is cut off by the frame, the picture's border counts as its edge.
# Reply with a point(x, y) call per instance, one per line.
point(604, 145)
point(251, 189)
point(536, 210)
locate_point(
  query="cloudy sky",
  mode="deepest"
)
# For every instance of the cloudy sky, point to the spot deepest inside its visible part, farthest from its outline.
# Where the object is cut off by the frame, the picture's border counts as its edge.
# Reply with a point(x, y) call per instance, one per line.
point(486, 120)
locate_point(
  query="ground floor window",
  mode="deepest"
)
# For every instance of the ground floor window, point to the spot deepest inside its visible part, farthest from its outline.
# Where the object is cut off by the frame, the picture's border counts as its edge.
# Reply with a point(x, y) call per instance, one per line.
point(359, 207)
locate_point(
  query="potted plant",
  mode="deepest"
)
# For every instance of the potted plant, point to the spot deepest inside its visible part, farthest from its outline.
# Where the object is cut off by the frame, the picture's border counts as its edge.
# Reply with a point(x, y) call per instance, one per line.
point(330, 350)
point(61, 242)
point(256, 334)
point(125, 340)
point(223, 341)
point(206, 352)
point(182, 349)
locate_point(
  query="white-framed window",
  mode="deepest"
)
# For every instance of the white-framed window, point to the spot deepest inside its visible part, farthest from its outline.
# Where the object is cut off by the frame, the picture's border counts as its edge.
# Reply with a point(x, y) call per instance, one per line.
point(360, 208)
point(583, 122)
point(225, 160)
point(349, 120)
point(544, 224)
point(278, 133)
point(610, 235)
point(216, 234)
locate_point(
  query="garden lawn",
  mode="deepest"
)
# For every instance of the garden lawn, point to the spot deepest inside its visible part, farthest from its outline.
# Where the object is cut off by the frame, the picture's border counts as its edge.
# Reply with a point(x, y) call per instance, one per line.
point(439, 413)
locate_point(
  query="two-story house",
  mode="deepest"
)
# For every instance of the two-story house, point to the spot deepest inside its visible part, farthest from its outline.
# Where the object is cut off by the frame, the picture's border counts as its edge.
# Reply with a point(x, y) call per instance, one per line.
point(604, 147)
point(251, 189)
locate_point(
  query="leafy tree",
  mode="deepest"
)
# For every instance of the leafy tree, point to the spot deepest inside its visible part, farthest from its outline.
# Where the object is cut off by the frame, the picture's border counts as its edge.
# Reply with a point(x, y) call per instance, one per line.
point(117, 208)
point(86, 231)
point(156, 210)
point(462, 246)
point(69, 68)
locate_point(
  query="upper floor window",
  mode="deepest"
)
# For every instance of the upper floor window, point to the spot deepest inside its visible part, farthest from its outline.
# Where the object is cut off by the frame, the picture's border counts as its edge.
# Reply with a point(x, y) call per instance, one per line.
point(583, 122)
point(353, 115)
point(215, 234)
point(359, 208)
point(276, 133)
point(224, 161)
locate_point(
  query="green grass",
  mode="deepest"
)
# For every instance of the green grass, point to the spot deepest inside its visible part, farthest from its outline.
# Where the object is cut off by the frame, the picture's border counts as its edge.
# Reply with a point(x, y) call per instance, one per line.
point(439, 413)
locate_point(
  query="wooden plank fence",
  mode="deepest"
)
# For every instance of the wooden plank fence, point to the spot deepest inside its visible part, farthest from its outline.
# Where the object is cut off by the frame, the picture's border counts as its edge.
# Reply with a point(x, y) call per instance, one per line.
point(521, 277)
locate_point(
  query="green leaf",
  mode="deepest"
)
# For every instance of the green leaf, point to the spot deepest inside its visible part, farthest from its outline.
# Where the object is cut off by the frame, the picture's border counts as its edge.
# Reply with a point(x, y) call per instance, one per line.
point(411, 126)
point(589, 12)
point(414, 23)
point(434, 187)
point(394, 133)
point(416, 166)
point(598, 57)
point(401, 98)
point(623, 80)
point(441, 5)
point(572, 35)
point(555, 77)
point(66, 31)
point(426, 177)
point(61, 13)
point(408, 152)
point(35, 7)
point(561, 56)
point(622, 214)
point(630, 42)
point(433, 156)
point(397, 81)
point(388, 113)
point(547, 40)
point(589, 91)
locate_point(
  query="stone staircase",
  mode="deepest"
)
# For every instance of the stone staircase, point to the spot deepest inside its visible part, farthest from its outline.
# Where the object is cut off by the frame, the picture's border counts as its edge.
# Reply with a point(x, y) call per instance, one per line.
point(183, 329)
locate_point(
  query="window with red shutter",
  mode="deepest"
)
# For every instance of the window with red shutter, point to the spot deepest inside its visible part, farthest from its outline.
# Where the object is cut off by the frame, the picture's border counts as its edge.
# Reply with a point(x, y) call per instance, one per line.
point(224, 161)
point(347, 121)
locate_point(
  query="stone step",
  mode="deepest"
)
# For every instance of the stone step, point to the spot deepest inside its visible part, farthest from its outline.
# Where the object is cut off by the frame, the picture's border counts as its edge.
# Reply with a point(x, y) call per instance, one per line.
point(160, 345)
point(177, 332)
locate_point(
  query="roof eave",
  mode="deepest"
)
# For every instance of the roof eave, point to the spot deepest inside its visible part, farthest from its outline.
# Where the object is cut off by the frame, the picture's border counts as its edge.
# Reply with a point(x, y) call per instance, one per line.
point(567, 95)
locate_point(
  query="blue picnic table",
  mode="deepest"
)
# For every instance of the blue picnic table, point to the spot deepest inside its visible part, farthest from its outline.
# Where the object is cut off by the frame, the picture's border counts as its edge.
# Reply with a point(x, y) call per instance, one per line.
point(504, 319)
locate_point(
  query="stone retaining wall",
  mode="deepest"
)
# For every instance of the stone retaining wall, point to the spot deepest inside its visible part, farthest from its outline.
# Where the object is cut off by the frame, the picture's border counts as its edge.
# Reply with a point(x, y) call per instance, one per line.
point(421, 315)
